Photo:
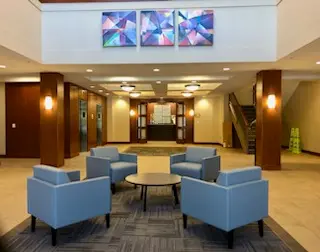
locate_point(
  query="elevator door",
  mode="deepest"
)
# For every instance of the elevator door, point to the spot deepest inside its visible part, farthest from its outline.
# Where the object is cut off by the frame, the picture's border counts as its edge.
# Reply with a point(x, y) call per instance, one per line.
point(83, 126)
point(99, 124)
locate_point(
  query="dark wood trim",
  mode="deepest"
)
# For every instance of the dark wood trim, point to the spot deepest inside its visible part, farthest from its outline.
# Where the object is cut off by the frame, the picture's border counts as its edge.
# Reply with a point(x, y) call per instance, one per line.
point(118, 142)
point(304, 151)
point(208, 143)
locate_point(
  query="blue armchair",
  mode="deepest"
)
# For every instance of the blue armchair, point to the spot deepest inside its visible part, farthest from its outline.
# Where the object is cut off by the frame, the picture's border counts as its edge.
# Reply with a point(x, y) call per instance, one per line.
point(59, 198)
point(107, 161)
point(198, 162)
point(238, 198)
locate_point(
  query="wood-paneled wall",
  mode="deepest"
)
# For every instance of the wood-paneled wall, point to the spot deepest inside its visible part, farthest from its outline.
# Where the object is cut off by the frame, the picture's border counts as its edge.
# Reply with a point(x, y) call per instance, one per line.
point(52, 121)
point(23, 110)
point(22, 120)
point(71, 123)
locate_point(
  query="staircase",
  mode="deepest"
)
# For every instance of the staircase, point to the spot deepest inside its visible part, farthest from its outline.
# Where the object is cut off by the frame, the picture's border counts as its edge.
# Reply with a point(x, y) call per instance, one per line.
point(242, 118)
point(250, 114)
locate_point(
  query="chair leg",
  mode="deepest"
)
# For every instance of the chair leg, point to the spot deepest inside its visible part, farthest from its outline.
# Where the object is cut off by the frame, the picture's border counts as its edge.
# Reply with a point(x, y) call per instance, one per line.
point(141, 195)
point(230, 239)
point(260, 224)
point(113, 188)
point(185, 220)
point(108, 220)
point(33, 223)
point(54, 236)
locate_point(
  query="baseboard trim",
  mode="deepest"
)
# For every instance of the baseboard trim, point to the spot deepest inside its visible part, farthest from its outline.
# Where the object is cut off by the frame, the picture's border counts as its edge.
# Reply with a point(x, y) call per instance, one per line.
point(3, 156)
point(304, 151)
point(208, 143)
point(118, 142)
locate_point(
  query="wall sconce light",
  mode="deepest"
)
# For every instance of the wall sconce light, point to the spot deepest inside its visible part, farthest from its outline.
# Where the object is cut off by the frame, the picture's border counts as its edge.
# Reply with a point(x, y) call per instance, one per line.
point(48, 103)
point(191, 112)
point(132, 112)
point(271, 101)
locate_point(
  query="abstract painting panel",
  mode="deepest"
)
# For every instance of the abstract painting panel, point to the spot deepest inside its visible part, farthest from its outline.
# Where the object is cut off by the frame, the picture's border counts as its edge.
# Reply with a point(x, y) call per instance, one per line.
point(157, 28)
point(196, 27)
point(119, 28)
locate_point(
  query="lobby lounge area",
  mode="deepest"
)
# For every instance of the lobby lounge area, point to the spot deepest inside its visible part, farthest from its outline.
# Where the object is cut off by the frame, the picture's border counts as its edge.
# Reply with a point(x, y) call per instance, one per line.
point(159, 126)
point(291, 209)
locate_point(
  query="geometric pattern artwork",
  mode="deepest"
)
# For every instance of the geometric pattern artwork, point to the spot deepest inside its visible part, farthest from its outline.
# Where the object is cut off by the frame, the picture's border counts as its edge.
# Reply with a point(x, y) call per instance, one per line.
point(119, 28)
point(196, 27)
point(157, 28)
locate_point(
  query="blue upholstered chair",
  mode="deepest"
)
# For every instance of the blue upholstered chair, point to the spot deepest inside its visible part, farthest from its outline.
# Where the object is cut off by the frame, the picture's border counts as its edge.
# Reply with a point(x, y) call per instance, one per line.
point(198, 162)
point(59, 198)
point(107, 161)
point(238, 198)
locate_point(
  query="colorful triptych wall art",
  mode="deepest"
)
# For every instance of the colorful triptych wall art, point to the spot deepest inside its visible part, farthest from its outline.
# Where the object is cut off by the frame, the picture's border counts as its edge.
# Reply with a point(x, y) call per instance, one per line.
point(119, 28)
point(157, 28)
point(196, 27)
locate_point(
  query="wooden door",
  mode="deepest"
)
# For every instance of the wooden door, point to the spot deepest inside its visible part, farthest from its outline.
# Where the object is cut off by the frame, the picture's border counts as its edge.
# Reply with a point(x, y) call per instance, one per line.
point(181, 122)
point(142, 122)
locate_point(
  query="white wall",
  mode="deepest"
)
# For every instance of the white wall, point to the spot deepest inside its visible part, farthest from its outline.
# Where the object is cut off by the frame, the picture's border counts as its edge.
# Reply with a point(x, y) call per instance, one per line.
point(118, 123)
point(2, 120)
point(209, 118)
point(298, 24)
point(245, 95)
point(20, 27)
point(245, 31)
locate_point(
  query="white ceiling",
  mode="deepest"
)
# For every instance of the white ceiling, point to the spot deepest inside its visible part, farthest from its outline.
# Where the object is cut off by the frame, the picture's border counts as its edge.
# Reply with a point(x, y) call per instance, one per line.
point(299, 65)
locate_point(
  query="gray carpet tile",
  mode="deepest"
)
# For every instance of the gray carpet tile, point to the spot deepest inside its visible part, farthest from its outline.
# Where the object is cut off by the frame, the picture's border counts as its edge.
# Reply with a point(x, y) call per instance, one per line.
point(159, 229)
point(155, 151)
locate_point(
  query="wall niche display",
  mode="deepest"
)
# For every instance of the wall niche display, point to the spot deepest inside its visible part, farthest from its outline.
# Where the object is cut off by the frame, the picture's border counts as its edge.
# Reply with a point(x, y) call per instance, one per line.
point(196, 27)
point(119, 28)
point(157, 28)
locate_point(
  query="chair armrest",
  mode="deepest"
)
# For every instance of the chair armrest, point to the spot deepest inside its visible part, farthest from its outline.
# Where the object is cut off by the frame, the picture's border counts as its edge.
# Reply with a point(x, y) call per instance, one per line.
point(41, 199)
point(73, 175)
point(82, 200)
point(98, 167)
point(210, 168)
point(128, 157)
point(177, 158)
point(204, 201)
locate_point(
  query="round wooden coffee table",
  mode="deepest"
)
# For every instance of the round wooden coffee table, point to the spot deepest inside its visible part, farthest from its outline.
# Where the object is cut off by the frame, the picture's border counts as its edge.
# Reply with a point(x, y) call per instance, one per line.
point(154, 179)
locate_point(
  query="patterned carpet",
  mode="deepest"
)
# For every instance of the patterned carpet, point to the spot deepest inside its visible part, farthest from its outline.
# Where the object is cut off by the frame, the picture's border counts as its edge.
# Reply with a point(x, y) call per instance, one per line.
point(157, 230)
point(155, 151)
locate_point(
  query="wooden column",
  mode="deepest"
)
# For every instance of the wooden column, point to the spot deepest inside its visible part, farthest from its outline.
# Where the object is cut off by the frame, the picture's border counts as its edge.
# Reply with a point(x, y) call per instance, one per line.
point(268, 124)
point(71, 121)
point(52, 121)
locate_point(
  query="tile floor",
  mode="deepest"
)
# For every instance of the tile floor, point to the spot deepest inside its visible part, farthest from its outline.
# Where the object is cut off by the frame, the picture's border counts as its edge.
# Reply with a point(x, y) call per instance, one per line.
point(294, 192)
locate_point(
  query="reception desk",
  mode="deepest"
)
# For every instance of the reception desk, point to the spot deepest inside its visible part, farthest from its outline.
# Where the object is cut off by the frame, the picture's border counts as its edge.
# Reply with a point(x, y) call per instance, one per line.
point(162, 132)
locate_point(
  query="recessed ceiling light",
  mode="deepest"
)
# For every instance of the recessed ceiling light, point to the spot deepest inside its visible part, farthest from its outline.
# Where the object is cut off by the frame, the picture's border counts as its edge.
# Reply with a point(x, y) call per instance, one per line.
point(158, 82)
point(194, 81)
point(186, 94)
point(318, 62)
point(127, 88)
point(135, 94)
point(124, 82)
point(92, 86)
point(3, 66)
point(156, 70)
point(107, 93)
point(100, 90)
point(192, 87)
point(89, 70)
point(226, 69)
